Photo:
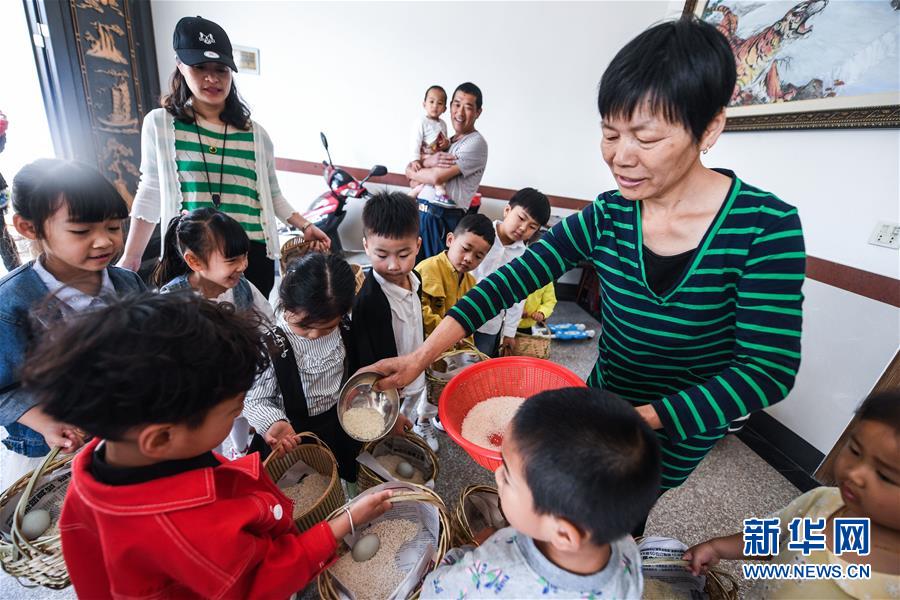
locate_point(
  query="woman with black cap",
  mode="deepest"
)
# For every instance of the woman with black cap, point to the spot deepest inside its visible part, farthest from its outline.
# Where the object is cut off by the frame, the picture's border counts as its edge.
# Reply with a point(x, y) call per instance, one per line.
point(201, 149)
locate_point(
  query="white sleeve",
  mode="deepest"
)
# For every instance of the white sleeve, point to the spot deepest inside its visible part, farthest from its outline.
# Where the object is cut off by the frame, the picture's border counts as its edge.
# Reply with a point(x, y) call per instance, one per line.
point(417, 138)
point(512, 318)
point(147, 200)
point(263, 405)
point(283, 209)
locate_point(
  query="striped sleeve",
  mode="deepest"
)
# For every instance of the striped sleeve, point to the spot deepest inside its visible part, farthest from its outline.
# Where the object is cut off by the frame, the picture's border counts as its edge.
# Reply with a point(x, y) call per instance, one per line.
point(766, 354)
point(568, 242)
point(263, 405)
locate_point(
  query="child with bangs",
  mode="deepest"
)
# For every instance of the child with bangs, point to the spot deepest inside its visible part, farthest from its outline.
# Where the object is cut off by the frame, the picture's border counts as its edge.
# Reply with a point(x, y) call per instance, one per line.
point(867, 473)
point(309, 350)
point(74, 218)
point(206, 251)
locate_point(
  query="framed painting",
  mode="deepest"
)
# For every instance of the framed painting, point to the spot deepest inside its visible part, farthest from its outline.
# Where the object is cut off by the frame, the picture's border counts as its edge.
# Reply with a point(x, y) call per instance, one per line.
point(810, 64)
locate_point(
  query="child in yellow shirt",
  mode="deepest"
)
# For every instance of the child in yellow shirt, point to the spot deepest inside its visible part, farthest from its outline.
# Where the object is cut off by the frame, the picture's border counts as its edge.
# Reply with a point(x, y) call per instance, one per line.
point(538, 308)
point(867, 471)
point(446, 277)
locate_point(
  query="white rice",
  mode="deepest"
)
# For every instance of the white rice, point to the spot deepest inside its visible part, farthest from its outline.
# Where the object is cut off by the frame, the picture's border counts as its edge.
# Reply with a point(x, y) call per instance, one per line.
point(390, 462)
point(487, 420)
point(305, 493)
point(363, 423)
point(379, 576)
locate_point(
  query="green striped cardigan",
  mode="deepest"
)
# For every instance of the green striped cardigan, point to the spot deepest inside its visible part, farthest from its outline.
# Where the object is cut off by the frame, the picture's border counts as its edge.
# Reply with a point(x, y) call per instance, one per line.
point(724, 342)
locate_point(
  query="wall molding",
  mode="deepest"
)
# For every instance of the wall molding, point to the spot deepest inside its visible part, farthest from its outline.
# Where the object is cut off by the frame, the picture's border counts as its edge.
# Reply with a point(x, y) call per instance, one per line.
point(398, 179)
point(785, 451)
point(850, 279)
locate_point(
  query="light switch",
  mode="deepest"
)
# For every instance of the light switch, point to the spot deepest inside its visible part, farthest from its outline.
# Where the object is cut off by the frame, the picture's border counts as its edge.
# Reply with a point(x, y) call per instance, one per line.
point(886, 234)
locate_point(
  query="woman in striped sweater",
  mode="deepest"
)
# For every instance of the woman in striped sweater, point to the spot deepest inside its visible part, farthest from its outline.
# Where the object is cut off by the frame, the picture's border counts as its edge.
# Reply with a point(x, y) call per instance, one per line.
point(700, 273)
point(203, 150)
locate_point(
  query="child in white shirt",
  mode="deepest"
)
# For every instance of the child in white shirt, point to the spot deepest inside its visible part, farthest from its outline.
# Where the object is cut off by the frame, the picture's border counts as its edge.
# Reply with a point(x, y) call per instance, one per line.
point(431, 134)
point(528, 210)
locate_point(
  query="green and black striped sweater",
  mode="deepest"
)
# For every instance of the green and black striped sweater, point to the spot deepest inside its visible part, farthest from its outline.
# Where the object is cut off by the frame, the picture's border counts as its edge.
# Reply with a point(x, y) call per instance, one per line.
point(724, 342)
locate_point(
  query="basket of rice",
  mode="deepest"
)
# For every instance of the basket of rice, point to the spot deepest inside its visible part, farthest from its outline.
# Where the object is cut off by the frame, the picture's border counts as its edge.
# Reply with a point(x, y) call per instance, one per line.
point(536, 344)
point(666, 576)
point(394, 552)
point(296, 247)
point(478, 509)
point(446, 367)
point(500, 385)
point(308, 476)
point(397, 458)
point(30, 545)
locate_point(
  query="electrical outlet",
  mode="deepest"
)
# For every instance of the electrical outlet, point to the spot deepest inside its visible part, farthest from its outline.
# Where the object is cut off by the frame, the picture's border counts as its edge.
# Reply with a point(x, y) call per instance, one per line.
point(886, 234)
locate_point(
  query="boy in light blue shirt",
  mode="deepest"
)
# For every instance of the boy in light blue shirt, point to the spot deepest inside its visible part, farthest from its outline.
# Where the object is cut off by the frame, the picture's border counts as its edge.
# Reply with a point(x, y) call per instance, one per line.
point(572, 492)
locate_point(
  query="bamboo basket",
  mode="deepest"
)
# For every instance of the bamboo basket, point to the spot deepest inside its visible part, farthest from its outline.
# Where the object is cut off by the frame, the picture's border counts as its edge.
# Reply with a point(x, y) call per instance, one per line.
point(296, 247)
point(536, 346)
point(409, 444)
point(463, 527)
point(318, 456)
point(436, 385)
point(40, 561)
point(719, 584)
point(328, 589)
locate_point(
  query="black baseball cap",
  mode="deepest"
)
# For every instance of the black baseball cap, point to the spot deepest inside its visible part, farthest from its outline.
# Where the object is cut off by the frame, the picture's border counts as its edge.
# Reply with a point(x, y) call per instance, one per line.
point(198, 40)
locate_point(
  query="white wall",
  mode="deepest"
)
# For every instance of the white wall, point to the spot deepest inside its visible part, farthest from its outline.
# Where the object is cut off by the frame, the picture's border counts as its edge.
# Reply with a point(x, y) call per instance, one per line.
point(358, 71)
point(847, 341)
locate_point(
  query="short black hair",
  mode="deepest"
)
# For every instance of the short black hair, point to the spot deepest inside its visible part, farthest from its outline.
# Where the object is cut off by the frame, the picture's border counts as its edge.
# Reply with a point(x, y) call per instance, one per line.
point(685, 69)
point(435, 87)
point(322, 286)
point(535, 203)
point(40, 188)
point(883, 407)
point(470, 88)
point(144, 358)
point(392, 215)
point(589, 458)
point(478, 224)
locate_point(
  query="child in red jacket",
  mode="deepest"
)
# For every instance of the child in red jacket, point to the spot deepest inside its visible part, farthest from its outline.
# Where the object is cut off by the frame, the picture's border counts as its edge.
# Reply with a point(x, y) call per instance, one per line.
point(151, 511)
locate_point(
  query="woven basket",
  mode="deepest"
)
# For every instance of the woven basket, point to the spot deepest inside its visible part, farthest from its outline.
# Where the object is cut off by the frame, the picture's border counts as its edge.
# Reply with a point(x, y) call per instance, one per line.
point(318, 456)
point(328, 589)
point(296, 247)
point(719, 584)
point(410, 445)
point(436, 385)
point(464, 530)
point(41, 560)
point(535, 346)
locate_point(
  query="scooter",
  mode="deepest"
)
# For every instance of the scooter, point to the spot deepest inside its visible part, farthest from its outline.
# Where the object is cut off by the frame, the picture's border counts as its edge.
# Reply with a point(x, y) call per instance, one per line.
point(328, 211)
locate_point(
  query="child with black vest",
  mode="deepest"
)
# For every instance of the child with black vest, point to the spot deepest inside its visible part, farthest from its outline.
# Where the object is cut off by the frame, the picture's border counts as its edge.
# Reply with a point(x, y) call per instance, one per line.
point(308, 345)
point(387, 312)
